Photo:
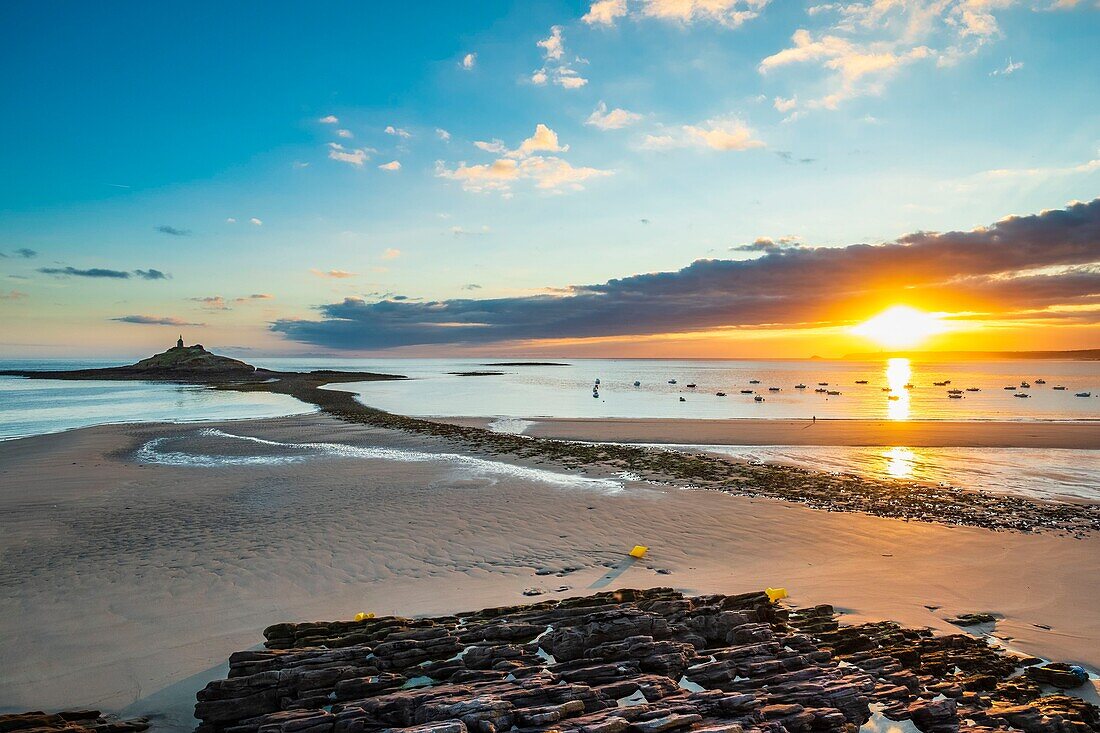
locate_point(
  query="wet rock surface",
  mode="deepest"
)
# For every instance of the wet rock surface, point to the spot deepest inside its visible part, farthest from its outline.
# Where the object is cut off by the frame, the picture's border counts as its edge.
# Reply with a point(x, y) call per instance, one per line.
point(628, 661)
point(70, 721)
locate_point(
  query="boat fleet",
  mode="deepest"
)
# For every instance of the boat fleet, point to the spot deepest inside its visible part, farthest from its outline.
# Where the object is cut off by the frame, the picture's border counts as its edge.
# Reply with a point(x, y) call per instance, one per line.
point(954, 393)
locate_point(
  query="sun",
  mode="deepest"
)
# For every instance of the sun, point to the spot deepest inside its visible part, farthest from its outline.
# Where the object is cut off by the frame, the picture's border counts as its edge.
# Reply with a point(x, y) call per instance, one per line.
point(900, 327)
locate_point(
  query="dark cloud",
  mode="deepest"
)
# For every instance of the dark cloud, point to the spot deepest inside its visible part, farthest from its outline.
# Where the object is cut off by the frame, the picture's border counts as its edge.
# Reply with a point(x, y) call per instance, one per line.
point(173, 231)
point(156, 321)
point(254, 296)
point(92, 272)
point(102, 272)
point(788, 157)
point(471, 286)
point(1041, 260)
point(765, 244)
point(23, 252)
point(213, 302)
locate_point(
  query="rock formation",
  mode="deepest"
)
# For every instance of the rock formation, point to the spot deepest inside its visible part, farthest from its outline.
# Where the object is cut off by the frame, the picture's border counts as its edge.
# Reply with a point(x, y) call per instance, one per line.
point(628, 662)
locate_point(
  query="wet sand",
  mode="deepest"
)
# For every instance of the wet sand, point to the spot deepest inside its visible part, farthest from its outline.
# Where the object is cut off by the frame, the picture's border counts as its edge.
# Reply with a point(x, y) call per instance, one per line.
point(126, 585)
point(911, 433)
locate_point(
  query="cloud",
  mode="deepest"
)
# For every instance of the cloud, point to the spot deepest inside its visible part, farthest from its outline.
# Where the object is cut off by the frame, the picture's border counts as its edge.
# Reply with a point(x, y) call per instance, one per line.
point(212, 302)
point(391, 253)
point(230, 220)
point(352, 156)
point(522, 163)
point(152, 274)
point(867, 42)
point(788, 157)
point(1010, 67)
point(766, 244)
point(155, 321)
point(1015, 176)
point(13, 295)
point(730, 13)
point(393, 165)
point(95, 272)
point(398, 132)
point(616, 119)
point(471, 286)
point(254, 296)
point(173, 231)
point(344, 133)
point(255, 222)
point(461, 232)
point(1041, 261)
point(22, 252)
point(469, 61)
point(329, 120)
point(728, 133)
point(555, 67)
point(442, 134)
point(338, 274)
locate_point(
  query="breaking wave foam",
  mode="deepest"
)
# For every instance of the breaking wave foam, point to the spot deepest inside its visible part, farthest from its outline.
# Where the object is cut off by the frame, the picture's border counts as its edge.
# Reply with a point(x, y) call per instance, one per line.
point(274, 453)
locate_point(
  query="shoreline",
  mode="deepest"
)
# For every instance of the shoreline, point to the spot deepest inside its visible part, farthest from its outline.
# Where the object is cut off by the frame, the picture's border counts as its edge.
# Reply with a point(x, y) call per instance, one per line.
point(1079, 435)
point(173, 567)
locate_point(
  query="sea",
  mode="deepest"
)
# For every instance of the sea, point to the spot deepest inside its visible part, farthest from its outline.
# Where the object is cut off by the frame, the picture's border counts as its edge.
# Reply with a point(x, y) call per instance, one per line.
point(890, 389)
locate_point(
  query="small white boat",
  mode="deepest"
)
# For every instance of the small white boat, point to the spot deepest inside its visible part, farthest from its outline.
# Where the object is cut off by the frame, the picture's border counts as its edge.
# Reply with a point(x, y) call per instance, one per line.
point(597, 380)
point(637, 383)
point(1040, 381)
point(954, 391)
point(1059, 387)
point(773, 389)
point(683, 400)
point(691, 386)
point(1021, 394)
point(719, 394)
point(672, 381)
point(1025, 385)
point(800, 386)
point(833, 392)
point(754, 381)
point(954, 396)
point(746, 391)
point(861, 381)
point(973, 389)
point(1084, 394)
point(758, 398)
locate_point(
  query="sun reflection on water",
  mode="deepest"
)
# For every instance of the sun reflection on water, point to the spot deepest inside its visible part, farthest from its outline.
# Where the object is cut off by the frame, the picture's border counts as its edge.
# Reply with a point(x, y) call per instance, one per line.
point(899, 462)
point(898, 374)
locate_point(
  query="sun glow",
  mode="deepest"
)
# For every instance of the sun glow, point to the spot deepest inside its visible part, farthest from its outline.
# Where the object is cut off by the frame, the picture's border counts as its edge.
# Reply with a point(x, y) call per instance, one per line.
point(900, 327)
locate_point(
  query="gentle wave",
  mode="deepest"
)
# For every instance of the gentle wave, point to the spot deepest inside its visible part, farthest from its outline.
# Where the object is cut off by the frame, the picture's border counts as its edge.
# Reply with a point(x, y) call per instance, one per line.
point(277, 453)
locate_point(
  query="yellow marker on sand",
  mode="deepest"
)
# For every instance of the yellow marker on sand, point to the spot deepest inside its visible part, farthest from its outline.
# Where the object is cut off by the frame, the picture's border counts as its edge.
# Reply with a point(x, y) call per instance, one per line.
point(639, 551)
point(775, 594)
point(363, 616)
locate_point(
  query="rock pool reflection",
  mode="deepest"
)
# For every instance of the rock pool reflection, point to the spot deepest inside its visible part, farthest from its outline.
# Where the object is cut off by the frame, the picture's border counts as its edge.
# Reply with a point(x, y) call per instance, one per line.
point(900, 462)
point(898, 374)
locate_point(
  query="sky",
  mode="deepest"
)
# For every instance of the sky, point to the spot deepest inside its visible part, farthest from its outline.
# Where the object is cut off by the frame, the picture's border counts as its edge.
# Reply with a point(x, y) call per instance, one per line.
point(691, 178)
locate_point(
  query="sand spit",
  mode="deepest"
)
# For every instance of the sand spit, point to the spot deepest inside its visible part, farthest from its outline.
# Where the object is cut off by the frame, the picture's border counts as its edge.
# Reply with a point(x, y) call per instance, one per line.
point(633, 661)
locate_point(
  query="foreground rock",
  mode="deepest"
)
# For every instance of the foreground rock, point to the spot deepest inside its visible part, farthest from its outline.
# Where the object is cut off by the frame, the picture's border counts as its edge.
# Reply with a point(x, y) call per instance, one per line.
point(70, 721)
point(628, 662)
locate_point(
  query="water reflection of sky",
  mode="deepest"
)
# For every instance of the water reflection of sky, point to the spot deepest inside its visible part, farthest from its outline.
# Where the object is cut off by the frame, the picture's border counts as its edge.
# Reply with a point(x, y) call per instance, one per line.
point(1042, 473)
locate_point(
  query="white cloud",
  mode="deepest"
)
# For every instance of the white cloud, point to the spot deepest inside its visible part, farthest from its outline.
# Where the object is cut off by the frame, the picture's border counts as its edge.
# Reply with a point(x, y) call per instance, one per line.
point(605, 12)
point(352, 156)
point(255, 222)
point(867, 42)
point(1021, 176)
point(526, 162)
point(731, 13)
point(329, 120)
point(1009, 68)
point(785, 105)
point(391, 254)
point(469, 61)
point(728, 133)
point(555, 68)
point(393, 165)
point(344, 133)
point(553, 46)
point(231, 220)
point(615, 119)
point(442, 134)
point(398, 132)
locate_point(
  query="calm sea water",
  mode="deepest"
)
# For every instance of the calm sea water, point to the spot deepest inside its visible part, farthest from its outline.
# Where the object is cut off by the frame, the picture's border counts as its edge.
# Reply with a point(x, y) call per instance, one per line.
point(566, 391)
point(30, 407)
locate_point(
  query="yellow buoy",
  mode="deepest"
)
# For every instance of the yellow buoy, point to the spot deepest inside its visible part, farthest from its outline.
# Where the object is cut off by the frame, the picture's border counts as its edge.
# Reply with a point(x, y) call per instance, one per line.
point(363, 616)
point(775, 594)
point(639, 551)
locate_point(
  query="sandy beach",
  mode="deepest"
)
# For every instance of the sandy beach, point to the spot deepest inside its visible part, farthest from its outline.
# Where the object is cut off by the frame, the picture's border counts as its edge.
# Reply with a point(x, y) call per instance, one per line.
point(128, 583)
point(912, 433)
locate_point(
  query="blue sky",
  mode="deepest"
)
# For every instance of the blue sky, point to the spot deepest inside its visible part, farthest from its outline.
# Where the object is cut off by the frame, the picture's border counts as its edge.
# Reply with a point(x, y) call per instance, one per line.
point(139, 136)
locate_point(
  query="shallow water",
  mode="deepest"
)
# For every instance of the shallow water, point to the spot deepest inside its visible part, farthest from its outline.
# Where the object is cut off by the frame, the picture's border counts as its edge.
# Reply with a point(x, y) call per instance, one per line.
point(1054, 474)
point(567, 391)
point(212, 448)
point(36, 406)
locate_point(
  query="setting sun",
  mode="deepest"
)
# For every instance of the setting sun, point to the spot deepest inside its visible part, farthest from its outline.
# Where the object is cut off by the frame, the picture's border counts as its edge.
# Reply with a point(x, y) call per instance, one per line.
point(900, 327)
